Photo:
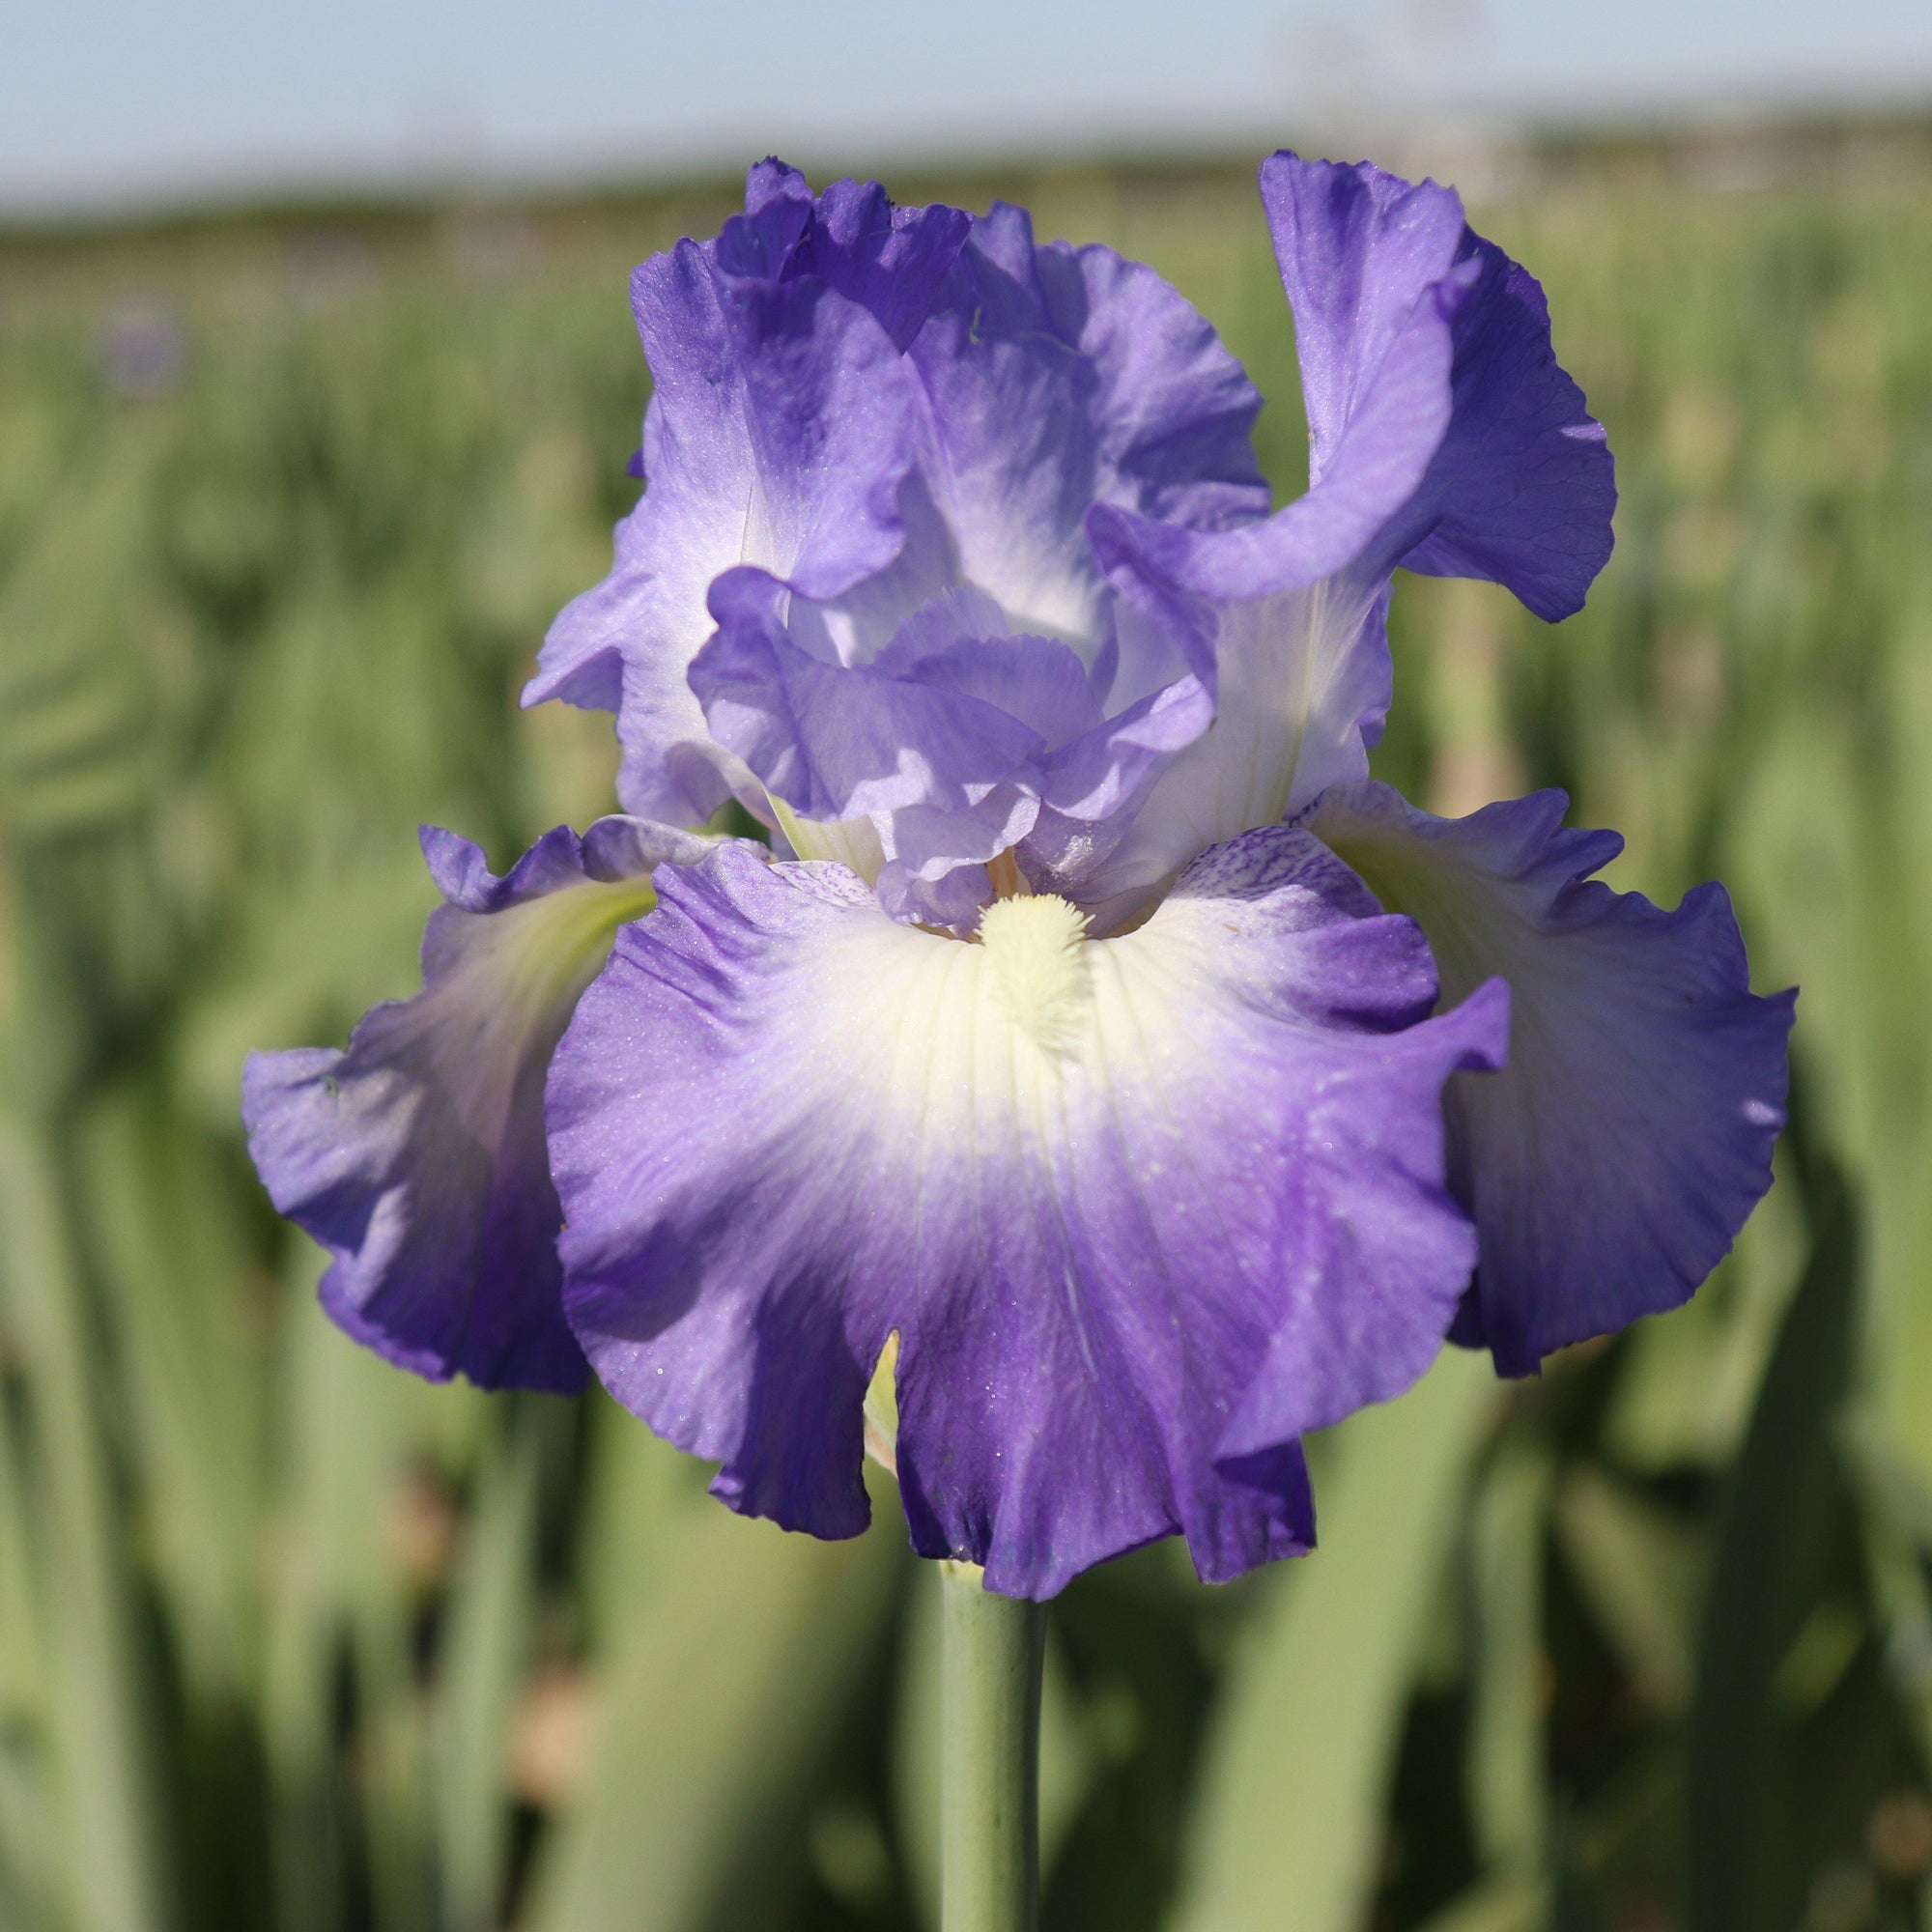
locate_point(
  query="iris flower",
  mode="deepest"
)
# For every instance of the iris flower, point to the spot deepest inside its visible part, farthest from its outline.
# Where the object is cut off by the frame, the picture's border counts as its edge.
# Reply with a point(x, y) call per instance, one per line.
point(1092, 1027)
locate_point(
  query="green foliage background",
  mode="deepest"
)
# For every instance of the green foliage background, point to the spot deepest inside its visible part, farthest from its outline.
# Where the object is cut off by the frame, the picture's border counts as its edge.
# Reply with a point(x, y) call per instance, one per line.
point(289, 1639)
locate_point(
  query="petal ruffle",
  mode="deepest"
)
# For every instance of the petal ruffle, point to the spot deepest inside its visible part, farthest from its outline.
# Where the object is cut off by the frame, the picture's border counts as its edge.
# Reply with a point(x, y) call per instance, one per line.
point(1057, 378)
point(1300, 685)
point(779, 430)
point(1521, 488)
point(1141, 1211)
point(788, 433)
point(1611, 1165)
point(890, 261)
point(838, 741)
point(417, 1157)
point(954, 743)
point(1051, 379)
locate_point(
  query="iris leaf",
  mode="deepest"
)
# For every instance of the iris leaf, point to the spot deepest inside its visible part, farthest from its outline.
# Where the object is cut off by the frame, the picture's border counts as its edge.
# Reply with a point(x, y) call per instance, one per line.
point(1637, 1568)
point(490, 1618)
point(1504, 1905)
point(1773, 1523)
point(1286, 1827)
point(1506, 1778)
point(721, 1702)
point(104, 1818)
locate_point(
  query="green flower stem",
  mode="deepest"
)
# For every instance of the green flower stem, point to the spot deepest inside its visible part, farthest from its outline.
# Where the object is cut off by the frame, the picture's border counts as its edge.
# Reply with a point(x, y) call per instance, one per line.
point(989, 1746)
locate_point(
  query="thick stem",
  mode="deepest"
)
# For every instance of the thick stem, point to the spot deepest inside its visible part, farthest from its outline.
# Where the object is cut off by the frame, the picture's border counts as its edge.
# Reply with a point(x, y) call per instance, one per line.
point(989, 1746)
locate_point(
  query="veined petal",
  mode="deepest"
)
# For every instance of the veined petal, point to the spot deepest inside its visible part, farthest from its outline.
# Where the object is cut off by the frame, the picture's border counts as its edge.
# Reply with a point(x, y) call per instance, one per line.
point(1357, 249)
point(883, 408)
point(1141, 1211)
point(1290, 614)
point(1051, 379)
point(838, 741)
point(416, 1157)
point(1611, 1165)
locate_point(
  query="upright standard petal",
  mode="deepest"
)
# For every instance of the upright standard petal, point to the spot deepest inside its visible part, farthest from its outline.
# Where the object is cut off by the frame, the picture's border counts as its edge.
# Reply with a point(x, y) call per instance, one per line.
point(1612, 1164)
point(892, 261)
point(1140, 1211)
point(1443, 435)
point(416, 1157)
point(1521, 488)
point(1056, 379)
point(779, 430)
point(983, 691)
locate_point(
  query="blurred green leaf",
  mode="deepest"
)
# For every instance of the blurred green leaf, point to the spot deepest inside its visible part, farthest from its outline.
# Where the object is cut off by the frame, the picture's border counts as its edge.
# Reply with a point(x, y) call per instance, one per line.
point(1637, 1566)
point(1510, 1680)
point(1685, 1393)
point(915, 1751)
point(110, 1871)
point(171, 1253)
point(31, 1884)
point(717, 1715)
point(485, 1655)
point(20, 1662)
point(77, 737)
point(641, 1493)
point(1286, 1826)
point(358, 1532)
point(1766, 1571)
point(1504, 1905)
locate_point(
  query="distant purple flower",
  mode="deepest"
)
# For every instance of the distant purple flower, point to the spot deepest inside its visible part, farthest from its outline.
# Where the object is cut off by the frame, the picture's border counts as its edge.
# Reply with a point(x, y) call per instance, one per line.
point(143, 351)
point(1167, 1087)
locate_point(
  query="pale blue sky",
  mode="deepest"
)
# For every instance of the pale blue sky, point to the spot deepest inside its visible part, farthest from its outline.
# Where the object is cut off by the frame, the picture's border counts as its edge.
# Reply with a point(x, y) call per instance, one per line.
point(112, 103)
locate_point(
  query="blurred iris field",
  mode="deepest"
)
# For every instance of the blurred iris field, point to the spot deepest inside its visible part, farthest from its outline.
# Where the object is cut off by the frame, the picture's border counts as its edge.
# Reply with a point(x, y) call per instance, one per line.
point(289, 1639)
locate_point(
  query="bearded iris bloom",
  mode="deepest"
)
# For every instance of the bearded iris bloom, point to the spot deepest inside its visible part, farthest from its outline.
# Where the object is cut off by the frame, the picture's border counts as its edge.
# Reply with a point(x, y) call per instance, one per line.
point(1091, 1024)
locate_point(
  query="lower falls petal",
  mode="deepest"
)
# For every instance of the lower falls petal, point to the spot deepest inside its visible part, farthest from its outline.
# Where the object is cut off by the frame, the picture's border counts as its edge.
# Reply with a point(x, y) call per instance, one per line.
point(416, 1157)
point(1611, 1165)
point(1141, 1211)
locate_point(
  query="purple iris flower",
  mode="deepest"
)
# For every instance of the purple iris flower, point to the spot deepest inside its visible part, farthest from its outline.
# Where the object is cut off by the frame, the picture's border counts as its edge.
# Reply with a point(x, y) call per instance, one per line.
point(1095, 1028)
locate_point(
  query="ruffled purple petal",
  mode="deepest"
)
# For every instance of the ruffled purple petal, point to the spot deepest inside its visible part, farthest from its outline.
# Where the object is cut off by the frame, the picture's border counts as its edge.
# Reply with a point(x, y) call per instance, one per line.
point(789, 434)
point(1612, 1164)
point(1057, 378)
point(892, 261)
point(838, 741)
point(1521, 488)
point(1052, 379)
point(1093, 786)
point(1141, 1211)
point(417, 1157)
point(1301, 684)
point(955, 743)
point(779, 430)
point(1358, 249)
